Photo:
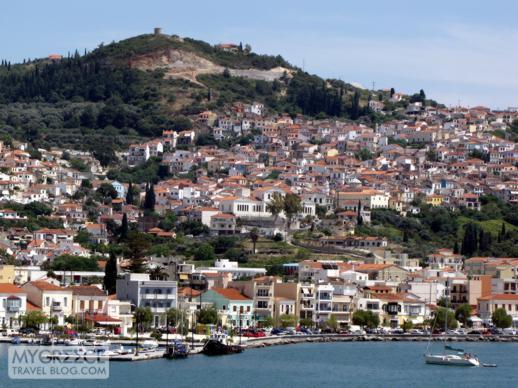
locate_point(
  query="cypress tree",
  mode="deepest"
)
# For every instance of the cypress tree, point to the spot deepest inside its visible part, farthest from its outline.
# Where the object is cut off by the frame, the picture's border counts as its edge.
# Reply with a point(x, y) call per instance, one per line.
point(129, 195)
point(456, 248)
point(110, 274)
point(124, 228)
point(469, 242)
point(405, 236)
point(149, 200)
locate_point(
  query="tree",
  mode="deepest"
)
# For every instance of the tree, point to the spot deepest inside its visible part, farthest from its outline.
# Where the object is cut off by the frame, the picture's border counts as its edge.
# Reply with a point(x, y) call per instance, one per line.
point(364, 154)
point(182, 123)
point(276, 205)
point(469, 242)
point(431, 156)
point(144, 317)
point(157, 273)
point(34, 319)
point(456, 248)
point(354, 111)
point(332, 323)
point(204, 252)
point(149, 199)
point(288, 320)
point(130, 197)
point(501, 319)
point(267, 322)
point(106, 190)
point(407, 325)
point(254, 236)
point(463, 313)
point(441, 315)
point(292, 207)
point(226, 73)
point(359, 217)
point(177, 318)
point(392, 92)
point(124, 229)
point(366, 319)
point(110, 274)
point(306, 322)
point(208, 316)
point(137, 246)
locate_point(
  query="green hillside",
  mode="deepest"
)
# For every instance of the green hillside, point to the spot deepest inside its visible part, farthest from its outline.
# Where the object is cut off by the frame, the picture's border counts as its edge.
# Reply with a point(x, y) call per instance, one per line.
point(97, 101)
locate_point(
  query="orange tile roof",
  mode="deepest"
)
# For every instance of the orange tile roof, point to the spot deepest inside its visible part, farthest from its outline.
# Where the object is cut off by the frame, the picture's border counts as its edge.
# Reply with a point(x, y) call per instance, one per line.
point(8, 288)
point(500, 297)
point(46, 286)
point(230, 293)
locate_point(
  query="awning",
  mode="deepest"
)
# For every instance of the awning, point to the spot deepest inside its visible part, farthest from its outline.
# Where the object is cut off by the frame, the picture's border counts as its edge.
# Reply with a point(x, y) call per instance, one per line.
point(102, 319)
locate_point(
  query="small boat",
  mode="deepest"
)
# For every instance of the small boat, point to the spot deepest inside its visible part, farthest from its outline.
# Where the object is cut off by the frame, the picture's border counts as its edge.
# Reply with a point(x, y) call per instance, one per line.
point(465, 359)
point(218, 345)
point(16, 340)
point(48, 341)
point(460, 359)
point(74, 342)
point(177, 349)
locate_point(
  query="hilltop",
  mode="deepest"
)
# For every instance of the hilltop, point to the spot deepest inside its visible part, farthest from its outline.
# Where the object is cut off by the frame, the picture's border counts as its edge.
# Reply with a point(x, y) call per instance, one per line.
point(118, 93)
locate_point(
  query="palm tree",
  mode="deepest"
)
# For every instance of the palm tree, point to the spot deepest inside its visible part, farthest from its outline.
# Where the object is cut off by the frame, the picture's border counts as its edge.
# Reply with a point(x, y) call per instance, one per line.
point(254, 236)
point(157, 273)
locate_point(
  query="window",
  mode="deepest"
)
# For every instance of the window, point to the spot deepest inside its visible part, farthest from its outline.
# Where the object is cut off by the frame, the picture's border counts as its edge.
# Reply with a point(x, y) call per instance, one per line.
point(234, 308)
point(65, 300)
point(262, 292)
point(262, 304)
point(248, 308)
point(47, 301)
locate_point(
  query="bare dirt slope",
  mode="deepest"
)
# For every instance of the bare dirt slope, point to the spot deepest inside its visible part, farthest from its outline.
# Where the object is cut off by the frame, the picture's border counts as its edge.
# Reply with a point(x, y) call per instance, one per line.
point(187, 65)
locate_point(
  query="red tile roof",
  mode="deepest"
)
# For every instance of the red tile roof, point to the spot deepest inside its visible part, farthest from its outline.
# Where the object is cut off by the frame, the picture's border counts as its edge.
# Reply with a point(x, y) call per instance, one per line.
point(230, 293)
point(8, 288)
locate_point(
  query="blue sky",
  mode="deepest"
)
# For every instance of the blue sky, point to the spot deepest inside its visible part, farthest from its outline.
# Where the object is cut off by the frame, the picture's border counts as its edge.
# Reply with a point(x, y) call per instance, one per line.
point(456, 50)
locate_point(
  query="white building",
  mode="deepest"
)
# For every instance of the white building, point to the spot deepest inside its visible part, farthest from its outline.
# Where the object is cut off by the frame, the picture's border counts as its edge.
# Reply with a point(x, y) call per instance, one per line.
point(158, 295)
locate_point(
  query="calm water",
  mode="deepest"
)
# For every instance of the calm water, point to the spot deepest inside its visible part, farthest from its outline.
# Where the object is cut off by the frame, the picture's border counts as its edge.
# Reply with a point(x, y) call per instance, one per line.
point(367, 364)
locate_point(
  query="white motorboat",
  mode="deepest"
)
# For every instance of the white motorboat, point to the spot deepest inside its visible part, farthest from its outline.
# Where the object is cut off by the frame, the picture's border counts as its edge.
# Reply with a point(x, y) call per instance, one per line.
point(74, 342)
point(452, 359)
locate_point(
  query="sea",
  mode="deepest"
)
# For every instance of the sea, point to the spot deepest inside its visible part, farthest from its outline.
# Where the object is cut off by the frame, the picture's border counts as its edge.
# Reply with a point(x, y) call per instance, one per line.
point(345, 364)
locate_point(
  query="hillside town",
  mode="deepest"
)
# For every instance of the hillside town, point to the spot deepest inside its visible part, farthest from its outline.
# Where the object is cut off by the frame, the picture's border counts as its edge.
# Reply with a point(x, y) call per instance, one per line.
point(287, 183)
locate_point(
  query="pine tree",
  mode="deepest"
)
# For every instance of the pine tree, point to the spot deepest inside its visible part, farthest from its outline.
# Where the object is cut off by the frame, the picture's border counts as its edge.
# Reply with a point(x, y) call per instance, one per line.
point(123, 235)
point(110, 274)
point(405, 236)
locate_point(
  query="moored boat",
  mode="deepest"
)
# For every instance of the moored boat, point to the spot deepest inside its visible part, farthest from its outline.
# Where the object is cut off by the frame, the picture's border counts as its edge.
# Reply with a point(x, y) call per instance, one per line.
point(219, 345)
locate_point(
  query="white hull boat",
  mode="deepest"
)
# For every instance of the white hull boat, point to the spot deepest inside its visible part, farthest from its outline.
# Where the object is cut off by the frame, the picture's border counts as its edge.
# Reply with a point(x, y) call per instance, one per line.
point(452, 359)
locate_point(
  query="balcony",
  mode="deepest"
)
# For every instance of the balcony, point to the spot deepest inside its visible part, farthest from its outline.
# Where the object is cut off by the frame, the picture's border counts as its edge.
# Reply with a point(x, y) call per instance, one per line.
point(157, 296)
point(55, 306)
point(324, 308)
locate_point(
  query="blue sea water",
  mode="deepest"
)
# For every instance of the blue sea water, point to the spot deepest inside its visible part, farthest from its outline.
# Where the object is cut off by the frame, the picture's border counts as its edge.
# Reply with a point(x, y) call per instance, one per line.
point(354, 364)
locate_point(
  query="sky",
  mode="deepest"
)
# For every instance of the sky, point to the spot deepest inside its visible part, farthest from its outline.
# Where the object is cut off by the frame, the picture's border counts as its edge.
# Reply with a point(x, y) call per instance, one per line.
point(458, 51)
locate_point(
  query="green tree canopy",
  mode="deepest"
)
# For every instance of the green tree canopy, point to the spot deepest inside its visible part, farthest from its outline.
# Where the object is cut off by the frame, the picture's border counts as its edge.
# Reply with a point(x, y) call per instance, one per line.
point(501, 319)
point(366, 319)
point(208, 316)
point(463, 313)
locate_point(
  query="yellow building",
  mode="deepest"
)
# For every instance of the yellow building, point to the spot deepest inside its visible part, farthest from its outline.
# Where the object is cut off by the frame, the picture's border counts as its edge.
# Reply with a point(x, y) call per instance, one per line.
point(7, 274)
point(434, 200)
